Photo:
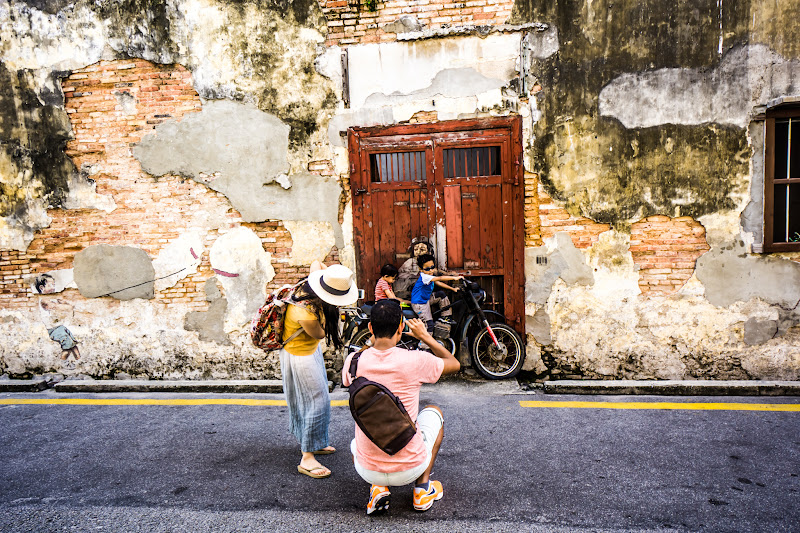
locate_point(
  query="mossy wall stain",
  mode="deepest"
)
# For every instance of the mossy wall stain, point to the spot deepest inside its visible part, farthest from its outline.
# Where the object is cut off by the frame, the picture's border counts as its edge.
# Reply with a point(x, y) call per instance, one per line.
point(296, 94)
point(142, 27)
point(612, 174)
point(33, 136)
point(258, 51)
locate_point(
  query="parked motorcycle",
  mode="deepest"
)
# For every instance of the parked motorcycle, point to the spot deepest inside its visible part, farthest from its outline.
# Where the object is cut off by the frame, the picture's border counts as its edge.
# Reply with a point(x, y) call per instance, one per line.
point(495, 349)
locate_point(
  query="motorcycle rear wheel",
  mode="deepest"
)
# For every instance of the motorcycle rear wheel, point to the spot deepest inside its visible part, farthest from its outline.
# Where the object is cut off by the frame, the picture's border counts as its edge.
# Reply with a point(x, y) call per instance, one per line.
point(494, 363)
point(360, 338)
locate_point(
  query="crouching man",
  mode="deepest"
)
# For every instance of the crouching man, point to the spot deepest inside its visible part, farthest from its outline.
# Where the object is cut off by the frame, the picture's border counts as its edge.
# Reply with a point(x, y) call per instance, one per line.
point(403, 372)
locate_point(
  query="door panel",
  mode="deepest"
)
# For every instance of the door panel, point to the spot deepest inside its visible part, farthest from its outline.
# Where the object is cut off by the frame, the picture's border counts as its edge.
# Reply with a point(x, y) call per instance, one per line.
point(454, 229)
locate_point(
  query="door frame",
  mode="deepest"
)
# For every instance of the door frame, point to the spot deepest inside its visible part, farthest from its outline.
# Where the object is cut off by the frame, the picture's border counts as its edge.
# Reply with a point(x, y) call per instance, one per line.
point(513, 190)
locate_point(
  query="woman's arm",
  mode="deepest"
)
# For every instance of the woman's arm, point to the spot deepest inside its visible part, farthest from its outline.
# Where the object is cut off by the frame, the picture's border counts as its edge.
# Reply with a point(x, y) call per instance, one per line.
point(313, 328)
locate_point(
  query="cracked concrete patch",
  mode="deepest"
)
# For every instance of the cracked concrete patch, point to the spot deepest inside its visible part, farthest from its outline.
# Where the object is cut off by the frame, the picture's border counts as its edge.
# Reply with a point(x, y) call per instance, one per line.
point(224, 146)
point(310, 241)
point(729, 275)
point(759, 331)
point(558, 258)
point(746, 77)
point(122, 272)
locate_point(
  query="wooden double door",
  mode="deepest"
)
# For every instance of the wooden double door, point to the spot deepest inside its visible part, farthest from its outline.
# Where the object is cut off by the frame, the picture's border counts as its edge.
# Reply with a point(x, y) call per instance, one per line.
point(458, 183)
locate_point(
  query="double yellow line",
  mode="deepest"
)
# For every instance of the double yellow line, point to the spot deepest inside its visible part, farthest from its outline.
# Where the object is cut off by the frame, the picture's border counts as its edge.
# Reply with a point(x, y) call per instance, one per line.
point(248, 402)
point(688, 406)
point(153, 401)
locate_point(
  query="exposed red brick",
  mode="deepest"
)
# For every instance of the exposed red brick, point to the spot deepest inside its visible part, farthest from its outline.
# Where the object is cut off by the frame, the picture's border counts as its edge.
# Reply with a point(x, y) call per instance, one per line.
point(666, 250)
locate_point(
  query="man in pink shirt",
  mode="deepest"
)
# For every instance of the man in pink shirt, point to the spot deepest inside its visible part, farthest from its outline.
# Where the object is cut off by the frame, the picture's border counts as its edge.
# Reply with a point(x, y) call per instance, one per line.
point(403, 372)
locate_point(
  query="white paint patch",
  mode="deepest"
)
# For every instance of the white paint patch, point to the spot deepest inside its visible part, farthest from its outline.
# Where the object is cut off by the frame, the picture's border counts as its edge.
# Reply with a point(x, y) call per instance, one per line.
point(329, 64)
point(456, 77)
point(178, 259)
point(615, 276)
point(403, 68)
point(542, 44)
point(347, 255)
point(32, 39)
point(747, 76)
point(83, 195)
point(311, 241)
point(243, 268)
point(16, 236)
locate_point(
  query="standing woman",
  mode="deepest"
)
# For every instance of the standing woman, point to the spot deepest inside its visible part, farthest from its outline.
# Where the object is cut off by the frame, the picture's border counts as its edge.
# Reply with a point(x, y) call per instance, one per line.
point(313, 315)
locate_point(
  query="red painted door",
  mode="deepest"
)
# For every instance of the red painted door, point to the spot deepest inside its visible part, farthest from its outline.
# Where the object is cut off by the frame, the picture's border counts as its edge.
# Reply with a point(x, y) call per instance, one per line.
point(455, 182)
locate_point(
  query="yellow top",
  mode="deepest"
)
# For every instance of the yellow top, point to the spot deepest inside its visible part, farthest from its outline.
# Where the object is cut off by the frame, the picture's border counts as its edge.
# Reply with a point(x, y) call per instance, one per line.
point(303, 344)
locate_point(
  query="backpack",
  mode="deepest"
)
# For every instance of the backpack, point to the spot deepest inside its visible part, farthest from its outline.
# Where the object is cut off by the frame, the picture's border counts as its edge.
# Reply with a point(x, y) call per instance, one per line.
point(266, 328)
point(379, 413)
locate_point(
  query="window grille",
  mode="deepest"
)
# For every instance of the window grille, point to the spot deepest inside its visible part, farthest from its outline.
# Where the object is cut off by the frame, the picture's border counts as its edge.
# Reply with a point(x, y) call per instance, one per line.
point(398, 167)
point(786, 181)
point(472, 162)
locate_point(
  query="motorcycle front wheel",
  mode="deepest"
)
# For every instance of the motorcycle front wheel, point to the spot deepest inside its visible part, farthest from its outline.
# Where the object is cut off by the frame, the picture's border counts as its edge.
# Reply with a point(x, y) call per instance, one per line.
point(493, 362)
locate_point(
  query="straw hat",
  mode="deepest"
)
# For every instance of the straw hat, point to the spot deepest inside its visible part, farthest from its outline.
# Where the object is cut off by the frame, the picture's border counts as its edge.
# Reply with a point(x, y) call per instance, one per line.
point(335, 285)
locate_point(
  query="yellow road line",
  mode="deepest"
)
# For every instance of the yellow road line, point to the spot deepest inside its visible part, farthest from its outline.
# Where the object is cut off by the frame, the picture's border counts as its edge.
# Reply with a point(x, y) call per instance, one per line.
point(666, 405)
point(152, 401)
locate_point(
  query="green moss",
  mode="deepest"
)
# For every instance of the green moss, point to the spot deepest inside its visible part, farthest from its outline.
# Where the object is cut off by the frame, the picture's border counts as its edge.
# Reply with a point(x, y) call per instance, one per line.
point(33, 138)
point(143, 25)
point(601, 169)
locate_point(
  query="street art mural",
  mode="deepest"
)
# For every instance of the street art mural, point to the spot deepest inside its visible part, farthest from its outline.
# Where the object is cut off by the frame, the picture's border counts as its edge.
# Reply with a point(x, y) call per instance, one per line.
point(163, 166)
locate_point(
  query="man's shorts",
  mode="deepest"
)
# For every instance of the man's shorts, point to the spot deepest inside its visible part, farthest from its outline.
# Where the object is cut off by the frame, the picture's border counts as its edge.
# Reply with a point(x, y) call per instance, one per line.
point(429, 422)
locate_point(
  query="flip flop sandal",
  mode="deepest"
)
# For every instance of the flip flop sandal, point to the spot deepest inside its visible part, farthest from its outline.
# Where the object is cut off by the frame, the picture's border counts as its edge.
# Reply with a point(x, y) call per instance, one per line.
point(310, 471)
point(324, 452)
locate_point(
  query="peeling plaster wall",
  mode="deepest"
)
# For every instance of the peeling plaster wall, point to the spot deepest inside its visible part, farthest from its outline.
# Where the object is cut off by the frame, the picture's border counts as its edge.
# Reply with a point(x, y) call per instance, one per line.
point(644, 120)
point(638, 131)
point(74, 193)
point(457, 77)
point(254, 51)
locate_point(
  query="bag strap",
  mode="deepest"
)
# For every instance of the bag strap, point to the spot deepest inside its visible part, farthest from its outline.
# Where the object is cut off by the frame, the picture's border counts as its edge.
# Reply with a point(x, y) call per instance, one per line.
point(292, 337)
point(354, 363)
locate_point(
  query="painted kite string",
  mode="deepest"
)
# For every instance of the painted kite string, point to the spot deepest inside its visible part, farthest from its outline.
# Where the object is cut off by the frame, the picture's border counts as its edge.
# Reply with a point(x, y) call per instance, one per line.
point(143, 283)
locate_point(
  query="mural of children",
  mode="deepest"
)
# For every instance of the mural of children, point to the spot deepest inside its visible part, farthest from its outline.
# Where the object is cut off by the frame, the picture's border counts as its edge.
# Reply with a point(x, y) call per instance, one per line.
point(383, 289)
point(409, 274)
point(409, 271)
point(45, 284)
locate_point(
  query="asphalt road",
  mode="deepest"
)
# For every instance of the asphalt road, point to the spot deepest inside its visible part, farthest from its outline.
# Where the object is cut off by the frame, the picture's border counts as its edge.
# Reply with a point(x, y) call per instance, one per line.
point(504, 467)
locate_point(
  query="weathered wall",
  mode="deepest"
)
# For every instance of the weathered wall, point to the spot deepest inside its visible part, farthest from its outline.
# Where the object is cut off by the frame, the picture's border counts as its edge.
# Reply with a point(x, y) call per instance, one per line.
point(206, 135)
point(646, 125)
point(159, 146)
point(382, 21)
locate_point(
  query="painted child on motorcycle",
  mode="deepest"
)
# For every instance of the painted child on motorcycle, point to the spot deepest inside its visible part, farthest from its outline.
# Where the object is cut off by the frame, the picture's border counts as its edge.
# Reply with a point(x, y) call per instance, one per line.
point(422, 291)
point(409, 274)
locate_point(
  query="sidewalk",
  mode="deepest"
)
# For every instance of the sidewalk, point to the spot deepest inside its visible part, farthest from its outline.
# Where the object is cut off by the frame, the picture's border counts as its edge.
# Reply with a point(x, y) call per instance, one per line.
point(616, 387)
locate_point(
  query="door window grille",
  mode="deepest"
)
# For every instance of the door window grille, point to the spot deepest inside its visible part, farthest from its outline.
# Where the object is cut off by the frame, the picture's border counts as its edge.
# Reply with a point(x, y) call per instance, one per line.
point(398, 167)
point(471, 162)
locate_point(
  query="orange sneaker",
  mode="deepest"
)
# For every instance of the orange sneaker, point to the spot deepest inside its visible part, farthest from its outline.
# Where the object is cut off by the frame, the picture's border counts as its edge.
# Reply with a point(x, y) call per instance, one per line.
point(423, 499)
point(378, 500)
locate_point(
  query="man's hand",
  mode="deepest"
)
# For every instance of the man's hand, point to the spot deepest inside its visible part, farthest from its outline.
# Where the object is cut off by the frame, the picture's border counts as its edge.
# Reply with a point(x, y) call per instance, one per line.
point(419, 331)
point(417, 328)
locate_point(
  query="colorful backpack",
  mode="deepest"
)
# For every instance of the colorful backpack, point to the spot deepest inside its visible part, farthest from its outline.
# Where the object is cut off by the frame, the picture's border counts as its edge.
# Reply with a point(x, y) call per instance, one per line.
point(266, 328)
